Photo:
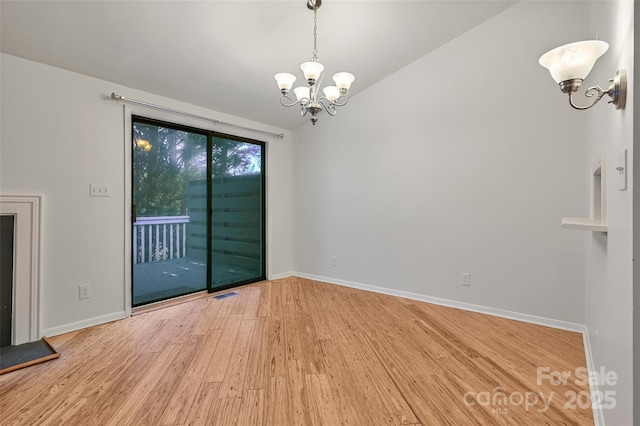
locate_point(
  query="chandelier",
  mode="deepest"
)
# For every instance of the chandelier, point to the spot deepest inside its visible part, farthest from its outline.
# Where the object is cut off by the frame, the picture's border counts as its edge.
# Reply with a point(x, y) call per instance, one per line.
point(307, 97)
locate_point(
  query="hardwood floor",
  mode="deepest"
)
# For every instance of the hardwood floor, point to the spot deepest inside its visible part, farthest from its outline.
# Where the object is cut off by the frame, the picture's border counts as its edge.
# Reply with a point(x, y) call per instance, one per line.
point(300, 352)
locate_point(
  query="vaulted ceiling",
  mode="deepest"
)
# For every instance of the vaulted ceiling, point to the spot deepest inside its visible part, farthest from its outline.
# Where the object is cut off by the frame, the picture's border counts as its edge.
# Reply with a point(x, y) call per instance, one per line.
point(222, 55)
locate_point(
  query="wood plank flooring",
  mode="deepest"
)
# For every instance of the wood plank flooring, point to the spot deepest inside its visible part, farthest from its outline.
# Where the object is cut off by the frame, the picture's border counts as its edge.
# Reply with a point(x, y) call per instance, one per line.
point(301, 352)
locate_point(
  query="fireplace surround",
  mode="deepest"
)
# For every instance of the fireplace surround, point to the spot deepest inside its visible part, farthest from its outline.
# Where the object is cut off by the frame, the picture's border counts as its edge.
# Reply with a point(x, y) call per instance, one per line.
point(25, 209)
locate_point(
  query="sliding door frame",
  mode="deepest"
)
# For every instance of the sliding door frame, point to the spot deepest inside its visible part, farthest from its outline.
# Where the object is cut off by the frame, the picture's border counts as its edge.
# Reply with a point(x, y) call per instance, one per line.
point(263, 208)
point(133, 117)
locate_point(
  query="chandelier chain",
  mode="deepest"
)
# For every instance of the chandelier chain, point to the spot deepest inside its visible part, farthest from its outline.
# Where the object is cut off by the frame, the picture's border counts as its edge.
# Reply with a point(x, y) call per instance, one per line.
point(315, 34)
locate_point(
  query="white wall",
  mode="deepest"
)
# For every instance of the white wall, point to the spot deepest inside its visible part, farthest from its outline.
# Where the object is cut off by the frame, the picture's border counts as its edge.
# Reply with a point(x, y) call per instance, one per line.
point(60, 133)
point(636, 236)
point(609, 277)
point(464, 161)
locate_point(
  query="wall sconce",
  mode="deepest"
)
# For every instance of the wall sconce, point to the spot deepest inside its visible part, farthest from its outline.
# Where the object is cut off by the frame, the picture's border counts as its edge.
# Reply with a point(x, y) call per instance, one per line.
point(570, 64)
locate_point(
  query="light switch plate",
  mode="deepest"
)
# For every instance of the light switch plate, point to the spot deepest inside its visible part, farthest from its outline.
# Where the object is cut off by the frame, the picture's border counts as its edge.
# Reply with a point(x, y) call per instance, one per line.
point(621, 168)
point(96, 190)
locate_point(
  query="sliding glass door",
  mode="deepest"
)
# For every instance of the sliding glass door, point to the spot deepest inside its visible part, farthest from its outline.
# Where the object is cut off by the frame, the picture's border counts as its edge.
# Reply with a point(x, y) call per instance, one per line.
point(199, 211)
point(237, 204)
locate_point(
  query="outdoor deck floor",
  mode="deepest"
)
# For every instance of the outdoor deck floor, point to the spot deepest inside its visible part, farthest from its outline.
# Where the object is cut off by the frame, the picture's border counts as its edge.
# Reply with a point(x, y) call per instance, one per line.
point(170, 278)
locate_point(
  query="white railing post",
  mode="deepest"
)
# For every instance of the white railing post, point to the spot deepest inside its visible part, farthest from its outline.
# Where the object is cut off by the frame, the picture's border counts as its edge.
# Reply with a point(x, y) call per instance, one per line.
point(184, 240)
point(135, 244)
point(142, 245)
point(156, 252)
point(178, 240)
point(150, 234)
point(164, 241)
point(170, 241)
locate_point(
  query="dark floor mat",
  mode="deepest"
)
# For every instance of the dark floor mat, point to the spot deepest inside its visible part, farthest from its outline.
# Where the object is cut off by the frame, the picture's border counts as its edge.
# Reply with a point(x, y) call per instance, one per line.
point(20, 356)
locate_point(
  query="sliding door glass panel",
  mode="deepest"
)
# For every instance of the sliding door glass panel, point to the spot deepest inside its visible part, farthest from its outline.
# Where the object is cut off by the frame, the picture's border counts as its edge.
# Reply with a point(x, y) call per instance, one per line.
point(237, 220)
point(170, 203)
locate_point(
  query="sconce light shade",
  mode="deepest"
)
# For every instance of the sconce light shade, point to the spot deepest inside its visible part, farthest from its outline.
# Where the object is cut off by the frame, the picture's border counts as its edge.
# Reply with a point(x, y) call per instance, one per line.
point(574, 60)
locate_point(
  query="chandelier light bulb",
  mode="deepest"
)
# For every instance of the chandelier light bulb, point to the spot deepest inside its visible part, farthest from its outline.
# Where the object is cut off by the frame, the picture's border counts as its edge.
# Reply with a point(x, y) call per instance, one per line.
point(312, 71)
point(302, 93)
point(285, 81)
point(331, 92)
point(343, 80)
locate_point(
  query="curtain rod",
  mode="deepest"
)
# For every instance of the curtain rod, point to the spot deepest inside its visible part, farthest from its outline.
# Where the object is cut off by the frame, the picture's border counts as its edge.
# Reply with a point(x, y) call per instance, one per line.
point(116, 97)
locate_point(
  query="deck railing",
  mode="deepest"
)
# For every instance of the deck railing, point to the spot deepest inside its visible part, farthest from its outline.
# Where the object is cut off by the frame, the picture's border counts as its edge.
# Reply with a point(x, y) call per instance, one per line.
point(159, 238)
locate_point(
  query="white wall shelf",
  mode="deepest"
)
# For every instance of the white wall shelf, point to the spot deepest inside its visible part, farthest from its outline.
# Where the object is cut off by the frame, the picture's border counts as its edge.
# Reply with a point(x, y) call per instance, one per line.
point(583, 224)
point(598, 220)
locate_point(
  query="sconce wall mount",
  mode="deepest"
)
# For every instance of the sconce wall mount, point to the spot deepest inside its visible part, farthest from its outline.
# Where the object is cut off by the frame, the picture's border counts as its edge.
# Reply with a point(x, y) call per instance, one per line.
point(570, 64)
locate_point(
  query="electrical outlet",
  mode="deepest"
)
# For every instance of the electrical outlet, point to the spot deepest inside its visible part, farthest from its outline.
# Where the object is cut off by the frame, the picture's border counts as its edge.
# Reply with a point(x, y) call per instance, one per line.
point(465, 278)
point(99, 190)
point(334, 260)
point(84, 291)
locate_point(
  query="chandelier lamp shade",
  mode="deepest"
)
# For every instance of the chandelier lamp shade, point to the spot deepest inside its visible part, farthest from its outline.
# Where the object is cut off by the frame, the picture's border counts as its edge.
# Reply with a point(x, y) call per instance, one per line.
point(308, 97)
point(570, 64)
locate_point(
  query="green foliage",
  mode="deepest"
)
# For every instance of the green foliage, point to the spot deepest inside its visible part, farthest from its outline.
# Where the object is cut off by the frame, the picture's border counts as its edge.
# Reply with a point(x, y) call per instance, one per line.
point(232, 158)
point(160, 169)
point(170, 158)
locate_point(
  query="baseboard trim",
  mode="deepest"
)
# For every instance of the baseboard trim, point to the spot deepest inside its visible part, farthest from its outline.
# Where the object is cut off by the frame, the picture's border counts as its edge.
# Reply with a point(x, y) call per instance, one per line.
point(281, 275)
point(89, 322)
point(532, 319)
point(598, 418)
